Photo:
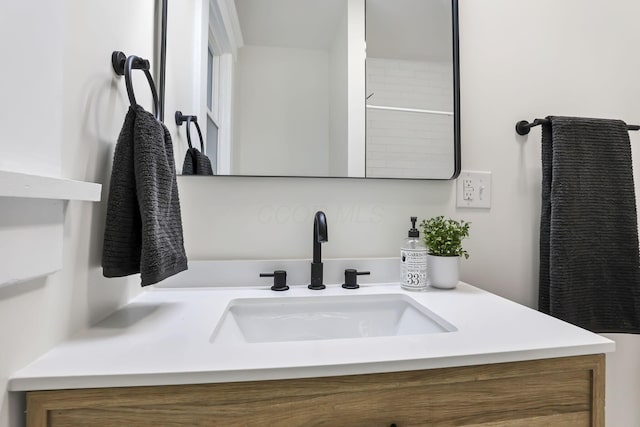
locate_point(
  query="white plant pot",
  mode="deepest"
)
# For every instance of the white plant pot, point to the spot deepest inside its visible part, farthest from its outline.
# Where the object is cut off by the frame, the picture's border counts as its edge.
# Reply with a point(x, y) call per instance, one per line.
point(443, 271)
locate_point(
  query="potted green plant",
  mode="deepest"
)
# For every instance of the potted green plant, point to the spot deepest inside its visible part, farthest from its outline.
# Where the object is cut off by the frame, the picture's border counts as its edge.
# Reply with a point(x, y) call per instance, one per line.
point(443, 238)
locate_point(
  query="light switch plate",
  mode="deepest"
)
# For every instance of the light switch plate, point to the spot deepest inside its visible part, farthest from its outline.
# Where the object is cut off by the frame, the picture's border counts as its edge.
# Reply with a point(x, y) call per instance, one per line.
point(473, 189)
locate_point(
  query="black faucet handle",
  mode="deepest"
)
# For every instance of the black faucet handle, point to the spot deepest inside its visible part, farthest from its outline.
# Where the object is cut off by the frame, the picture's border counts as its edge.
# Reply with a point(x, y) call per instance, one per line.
point(351, 278)
point(279, 280)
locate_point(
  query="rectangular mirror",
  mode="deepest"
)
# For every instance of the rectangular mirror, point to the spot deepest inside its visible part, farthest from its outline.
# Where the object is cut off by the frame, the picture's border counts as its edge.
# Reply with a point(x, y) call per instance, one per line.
point(331, 88)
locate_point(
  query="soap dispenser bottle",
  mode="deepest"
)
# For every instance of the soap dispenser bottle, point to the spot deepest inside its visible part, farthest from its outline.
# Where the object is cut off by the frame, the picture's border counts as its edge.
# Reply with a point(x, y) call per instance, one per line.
point(413, 260)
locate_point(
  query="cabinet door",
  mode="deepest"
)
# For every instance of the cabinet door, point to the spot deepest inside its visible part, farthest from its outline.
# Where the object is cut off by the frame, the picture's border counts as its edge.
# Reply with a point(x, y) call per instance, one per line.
point(568, 392)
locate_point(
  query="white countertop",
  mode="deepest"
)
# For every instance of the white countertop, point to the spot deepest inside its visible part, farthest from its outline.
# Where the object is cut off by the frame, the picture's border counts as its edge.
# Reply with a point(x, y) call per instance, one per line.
point(163, 337)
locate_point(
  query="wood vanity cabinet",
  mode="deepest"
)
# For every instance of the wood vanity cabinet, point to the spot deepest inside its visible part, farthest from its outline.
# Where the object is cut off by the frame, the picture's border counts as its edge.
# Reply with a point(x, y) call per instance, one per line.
point(552, 392)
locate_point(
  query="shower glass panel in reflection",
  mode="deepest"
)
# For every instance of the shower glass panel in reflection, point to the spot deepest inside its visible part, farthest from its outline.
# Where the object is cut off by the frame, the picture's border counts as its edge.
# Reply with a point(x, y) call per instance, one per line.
point(410, 92)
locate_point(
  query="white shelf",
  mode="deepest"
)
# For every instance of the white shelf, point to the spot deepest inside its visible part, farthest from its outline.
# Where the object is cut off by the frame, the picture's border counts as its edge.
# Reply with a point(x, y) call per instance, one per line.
point(16, 184)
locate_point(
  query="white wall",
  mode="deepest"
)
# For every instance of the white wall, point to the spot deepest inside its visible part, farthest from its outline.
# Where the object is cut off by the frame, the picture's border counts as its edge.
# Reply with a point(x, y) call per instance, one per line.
point(281, 111)
point(28, 145)
point(519, 60)
point(26, 148)
point(81, 121)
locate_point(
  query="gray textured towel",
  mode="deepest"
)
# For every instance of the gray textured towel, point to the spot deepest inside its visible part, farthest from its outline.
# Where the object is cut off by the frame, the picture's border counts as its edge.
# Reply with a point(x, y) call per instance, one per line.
point(589, 259)
point(143, 231)
point(196, 163)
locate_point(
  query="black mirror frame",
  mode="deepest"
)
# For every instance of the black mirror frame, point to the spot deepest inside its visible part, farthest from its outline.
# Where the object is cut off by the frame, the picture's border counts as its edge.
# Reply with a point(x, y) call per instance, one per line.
point(457, 163)
point(161, 49)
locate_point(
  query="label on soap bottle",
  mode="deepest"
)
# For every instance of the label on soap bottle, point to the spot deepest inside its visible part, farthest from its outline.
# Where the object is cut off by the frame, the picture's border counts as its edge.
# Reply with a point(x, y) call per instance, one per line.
point(413, 268)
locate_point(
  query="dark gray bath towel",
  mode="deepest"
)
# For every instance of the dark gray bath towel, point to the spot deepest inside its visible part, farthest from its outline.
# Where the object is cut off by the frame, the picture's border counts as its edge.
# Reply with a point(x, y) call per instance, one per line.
point(143, 231)
point(589, 259)
point(196, 163)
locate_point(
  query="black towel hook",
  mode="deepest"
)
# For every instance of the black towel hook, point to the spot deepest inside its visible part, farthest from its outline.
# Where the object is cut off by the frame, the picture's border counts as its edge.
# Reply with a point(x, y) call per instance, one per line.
point(181, 118)
point(123, 65)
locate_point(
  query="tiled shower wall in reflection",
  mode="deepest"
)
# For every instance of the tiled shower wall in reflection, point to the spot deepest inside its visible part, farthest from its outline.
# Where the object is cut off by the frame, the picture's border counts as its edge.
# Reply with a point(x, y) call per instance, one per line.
point(408, 144)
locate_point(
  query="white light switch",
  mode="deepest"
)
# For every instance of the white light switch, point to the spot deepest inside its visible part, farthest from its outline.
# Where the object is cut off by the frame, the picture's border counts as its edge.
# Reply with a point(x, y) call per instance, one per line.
point(473, 190)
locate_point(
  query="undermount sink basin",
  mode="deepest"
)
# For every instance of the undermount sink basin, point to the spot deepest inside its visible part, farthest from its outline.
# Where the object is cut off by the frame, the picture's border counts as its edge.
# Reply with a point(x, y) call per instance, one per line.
point(261, 320)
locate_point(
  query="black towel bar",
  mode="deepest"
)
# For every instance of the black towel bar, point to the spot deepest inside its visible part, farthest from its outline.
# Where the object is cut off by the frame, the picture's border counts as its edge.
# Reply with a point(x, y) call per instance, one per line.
point(523, 127)
point(181, 118)
point(123, 65)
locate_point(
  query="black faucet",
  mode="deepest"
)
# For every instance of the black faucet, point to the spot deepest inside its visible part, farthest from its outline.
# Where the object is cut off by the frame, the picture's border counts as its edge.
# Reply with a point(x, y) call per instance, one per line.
point(319, 236)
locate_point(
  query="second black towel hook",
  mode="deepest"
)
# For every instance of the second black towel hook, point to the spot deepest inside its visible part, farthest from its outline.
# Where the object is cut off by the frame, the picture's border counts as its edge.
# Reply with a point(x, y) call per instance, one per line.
point(181, 118)
point(123, 65)
point(523, 127)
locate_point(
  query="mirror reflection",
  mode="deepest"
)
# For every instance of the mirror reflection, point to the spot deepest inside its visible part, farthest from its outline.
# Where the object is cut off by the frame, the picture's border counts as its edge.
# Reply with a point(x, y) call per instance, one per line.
point(332, 88)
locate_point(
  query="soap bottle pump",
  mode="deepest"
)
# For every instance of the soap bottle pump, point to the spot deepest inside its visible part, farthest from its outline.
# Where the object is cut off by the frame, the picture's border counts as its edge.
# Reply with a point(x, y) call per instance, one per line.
point(413, 260)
